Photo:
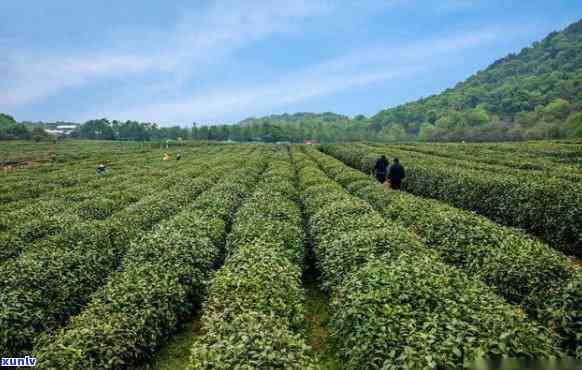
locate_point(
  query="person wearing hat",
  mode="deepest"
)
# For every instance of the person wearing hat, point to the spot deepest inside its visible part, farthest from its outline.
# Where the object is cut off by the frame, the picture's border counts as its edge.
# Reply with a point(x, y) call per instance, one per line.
point(101, 170)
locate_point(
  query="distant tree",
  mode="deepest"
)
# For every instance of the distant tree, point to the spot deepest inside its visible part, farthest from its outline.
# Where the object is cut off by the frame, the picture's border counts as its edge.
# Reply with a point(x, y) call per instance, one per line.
point(6, 120)
point(394, 132)
point(526, 119)
point(574, 125)
point(96, 130)
point(18, 131)
point(39, 134)
point(427, 132)
point(534, 89)
point(557, 110)
point(477, 117)
point(444, 123)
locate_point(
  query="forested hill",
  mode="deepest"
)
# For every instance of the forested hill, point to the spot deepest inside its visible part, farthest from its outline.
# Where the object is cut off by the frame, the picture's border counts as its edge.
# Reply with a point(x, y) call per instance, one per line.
point(296, 118)
point(297, 128)
point(537, 92)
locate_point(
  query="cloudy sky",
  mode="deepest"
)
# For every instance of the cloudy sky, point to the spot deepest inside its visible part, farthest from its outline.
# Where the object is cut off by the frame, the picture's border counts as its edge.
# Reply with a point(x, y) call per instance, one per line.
point(179, 61)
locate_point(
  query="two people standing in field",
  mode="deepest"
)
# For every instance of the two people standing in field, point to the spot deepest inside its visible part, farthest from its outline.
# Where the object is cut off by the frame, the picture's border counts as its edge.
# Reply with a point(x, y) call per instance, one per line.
point(395, 174)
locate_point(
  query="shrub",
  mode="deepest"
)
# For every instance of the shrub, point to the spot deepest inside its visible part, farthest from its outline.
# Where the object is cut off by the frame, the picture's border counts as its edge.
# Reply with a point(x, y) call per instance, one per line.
point(87, 252)
point(165, 273)
point(420, 325)
point(546, 206)
point(254, 315)
point(521, 269)
point(412, 312)
point(253, 339)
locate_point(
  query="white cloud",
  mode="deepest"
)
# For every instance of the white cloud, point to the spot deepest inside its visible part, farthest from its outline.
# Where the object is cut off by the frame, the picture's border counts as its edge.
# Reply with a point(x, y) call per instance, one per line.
point(200, 37)
point(207, 106)
point(356, 69)
point(34, 81)
point(210, 35)
point(449, 5)
point(433, 6)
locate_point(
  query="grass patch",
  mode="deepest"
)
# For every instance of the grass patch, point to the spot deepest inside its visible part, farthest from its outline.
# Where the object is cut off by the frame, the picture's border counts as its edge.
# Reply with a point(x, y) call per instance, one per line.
point(317, 316)
point(175, 352)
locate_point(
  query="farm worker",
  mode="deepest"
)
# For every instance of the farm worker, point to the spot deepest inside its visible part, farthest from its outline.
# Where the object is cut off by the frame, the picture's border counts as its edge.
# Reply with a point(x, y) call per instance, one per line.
point(101, 169)
point(396, 174)
point(178, 156)
point(167, 156)
point(380, 169)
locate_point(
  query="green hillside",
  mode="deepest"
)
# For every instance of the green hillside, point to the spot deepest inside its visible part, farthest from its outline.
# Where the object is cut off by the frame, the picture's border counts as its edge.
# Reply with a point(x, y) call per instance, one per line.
point(295, 118)
point(536, 93)
point(298, 127)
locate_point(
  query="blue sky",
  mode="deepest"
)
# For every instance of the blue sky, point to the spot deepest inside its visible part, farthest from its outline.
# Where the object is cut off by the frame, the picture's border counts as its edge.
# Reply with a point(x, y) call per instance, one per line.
point(175, 62)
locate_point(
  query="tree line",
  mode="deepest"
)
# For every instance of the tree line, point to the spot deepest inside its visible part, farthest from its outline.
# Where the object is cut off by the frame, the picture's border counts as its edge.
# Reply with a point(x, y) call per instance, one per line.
point(103, 129)
point(10, 129)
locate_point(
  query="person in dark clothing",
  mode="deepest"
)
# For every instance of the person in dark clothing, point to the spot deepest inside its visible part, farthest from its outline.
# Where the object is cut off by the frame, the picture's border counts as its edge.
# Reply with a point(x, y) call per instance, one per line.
point(380, 169)
point(396, 174)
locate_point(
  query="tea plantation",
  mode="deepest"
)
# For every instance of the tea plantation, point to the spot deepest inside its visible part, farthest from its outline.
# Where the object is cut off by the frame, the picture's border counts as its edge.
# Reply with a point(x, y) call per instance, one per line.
point(256, 256)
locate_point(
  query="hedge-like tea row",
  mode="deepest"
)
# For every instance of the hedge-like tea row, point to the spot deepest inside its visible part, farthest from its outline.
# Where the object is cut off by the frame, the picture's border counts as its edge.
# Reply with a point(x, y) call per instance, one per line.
point(410, 154)
point(521, 269)
point(69, 198)
point(50, 218)
point(490, 160)
point(542, 155)
point(72, 177)
point(55, 218)
point(82, 172)
point(18, 191)
point(254, 315)
point(41, 288)
point(163, 276)
point(15, 212)
point(562, 151)
point(548, 207)
point(60, 199)
point(394, 303)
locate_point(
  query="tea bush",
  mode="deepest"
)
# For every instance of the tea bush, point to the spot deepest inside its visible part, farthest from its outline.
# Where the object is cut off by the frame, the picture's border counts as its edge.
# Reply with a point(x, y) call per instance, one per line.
point(521, 269)
point(543, 205)
point(254, 315)
point(408, 312)
point(43, 287)
point(356, 241)
point(164, 274)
